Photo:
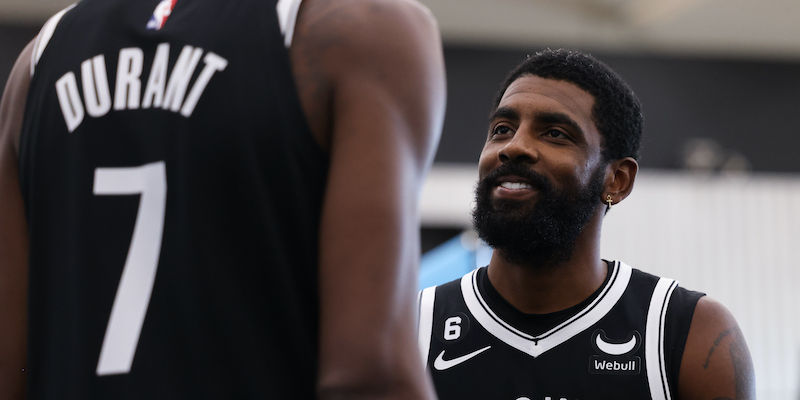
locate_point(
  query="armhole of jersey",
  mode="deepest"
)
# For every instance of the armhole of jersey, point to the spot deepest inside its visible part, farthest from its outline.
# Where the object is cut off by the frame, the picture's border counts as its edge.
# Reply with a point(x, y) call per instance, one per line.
point(425, 324)
point(44, 37)
point(287, 17)
point(655, 360)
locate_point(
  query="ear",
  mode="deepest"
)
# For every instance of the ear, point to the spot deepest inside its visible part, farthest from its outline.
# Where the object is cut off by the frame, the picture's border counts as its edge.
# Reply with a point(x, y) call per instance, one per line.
point(620, 175)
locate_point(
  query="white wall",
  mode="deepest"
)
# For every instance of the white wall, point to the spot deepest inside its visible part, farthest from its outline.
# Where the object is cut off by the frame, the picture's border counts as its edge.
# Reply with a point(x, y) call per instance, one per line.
point(732, 237)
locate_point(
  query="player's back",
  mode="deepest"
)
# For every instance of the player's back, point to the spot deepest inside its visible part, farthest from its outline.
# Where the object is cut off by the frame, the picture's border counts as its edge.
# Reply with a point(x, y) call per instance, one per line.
point(173, 194)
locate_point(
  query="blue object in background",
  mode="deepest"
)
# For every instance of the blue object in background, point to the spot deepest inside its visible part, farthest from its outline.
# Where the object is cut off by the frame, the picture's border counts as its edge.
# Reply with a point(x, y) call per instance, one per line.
point(452, 260)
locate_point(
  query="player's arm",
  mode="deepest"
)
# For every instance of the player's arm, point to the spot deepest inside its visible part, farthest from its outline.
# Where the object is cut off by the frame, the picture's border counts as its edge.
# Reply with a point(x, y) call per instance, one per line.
point(716, 363)
point(378, 67)
point(13, 235)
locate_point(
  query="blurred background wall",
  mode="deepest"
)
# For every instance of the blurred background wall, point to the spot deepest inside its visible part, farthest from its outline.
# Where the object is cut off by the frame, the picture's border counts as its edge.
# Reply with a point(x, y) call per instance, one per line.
point(716, 202)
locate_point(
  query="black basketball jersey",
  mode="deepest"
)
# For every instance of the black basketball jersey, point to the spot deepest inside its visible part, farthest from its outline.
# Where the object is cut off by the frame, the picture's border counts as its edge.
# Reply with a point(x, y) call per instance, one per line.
point(624, 342)
point(173, 193)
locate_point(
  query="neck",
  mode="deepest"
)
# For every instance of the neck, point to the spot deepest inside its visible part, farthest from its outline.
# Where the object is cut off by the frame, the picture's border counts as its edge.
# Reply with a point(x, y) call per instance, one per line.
point(541, 288)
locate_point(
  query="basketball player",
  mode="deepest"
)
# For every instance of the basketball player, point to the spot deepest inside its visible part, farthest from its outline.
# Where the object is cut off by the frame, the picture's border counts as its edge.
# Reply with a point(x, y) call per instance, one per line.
point(217, 200)
point(548, 319)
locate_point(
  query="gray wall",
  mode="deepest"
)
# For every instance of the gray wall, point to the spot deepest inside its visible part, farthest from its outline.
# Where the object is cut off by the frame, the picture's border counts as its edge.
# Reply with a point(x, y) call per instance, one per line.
point(744, 105)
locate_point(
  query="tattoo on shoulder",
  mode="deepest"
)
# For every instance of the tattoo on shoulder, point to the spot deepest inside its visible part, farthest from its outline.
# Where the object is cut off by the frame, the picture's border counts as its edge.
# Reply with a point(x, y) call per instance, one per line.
point(741, 363)
point(714, 346)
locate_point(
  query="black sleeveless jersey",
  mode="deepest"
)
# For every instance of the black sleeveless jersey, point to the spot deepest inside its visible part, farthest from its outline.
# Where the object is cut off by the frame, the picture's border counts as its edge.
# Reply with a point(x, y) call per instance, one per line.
point(624, 342)
point(173, 193)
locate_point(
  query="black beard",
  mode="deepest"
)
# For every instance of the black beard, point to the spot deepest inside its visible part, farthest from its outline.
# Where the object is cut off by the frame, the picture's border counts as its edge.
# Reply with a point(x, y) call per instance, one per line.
point(541, 234)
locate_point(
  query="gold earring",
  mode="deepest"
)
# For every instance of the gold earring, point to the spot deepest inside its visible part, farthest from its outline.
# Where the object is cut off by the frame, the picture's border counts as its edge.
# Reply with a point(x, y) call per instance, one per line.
point(609, 201)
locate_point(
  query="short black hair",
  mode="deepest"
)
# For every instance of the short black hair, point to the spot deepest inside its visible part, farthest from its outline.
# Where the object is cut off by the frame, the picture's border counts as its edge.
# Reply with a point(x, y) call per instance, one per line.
point(617, 112)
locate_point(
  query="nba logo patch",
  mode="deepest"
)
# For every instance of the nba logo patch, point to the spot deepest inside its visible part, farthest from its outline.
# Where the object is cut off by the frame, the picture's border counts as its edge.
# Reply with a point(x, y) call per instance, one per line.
point(161, 13)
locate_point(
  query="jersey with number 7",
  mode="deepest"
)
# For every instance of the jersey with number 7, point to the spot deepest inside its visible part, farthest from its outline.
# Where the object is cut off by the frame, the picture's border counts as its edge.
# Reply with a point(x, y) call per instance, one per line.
point(173, 192)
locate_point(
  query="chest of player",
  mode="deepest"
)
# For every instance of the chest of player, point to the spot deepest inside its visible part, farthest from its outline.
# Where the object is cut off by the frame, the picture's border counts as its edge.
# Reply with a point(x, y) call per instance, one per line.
point(605, 361)
point(614, 345)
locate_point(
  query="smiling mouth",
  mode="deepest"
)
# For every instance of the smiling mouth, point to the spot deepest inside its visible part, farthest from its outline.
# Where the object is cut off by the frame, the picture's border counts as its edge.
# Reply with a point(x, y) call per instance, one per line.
point(513, 188)
point(515, 185)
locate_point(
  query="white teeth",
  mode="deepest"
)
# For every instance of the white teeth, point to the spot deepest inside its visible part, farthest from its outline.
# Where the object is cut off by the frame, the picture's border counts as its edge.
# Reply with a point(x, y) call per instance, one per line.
point(515, 185)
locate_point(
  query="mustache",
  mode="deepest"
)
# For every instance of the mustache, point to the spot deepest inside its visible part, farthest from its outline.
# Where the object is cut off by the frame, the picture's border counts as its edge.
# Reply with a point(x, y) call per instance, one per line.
point(537, 180)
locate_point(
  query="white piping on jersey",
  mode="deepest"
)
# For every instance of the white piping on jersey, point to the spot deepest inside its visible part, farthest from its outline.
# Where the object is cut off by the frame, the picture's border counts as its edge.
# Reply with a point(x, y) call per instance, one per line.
point(287, 17)
point(426, 300)
point(536, 345)
point(44, 36)
point(654, 339)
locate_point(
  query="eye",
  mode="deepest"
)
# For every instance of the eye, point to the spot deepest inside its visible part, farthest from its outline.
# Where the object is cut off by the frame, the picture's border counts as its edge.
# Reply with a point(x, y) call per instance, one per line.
point(501, 130)
point(556, 134)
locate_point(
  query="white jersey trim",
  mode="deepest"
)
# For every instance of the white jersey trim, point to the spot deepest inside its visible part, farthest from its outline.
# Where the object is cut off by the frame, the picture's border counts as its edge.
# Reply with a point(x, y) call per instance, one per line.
point(426, 301)
point(536, 345)
point(654, 339)
point(287, 17)
point(45, 34)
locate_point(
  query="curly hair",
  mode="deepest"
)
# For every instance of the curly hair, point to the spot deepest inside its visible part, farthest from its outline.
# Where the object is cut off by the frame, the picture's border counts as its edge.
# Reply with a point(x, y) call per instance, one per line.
point(617, 112)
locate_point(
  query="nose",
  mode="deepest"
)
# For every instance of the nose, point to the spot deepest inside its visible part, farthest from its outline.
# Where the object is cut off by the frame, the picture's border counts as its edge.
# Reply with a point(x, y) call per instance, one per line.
point(521, 148)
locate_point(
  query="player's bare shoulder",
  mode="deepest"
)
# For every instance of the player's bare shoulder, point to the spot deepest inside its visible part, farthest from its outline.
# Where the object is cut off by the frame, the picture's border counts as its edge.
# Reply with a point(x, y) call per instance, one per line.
point(363, 22)
point(13, 234)
point(13, 104)
point(716, 362)
point(336, 40)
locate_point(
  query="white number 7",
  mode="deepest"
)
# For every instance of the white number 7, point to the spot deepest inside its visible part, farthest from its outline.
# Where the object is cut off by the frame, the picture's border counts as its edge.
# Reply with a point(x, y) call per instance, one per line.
point(139, 273)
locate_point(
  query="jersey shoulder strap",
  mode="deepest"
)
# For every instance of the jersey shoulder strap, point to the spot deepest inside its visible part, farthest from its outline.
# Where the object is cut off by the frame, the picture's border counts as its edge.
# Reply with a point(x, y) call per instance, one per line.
point(287, 17)
point(656, 366)
point(44, 36)
point(425, 302)
point(449, 296)
point(670, 309)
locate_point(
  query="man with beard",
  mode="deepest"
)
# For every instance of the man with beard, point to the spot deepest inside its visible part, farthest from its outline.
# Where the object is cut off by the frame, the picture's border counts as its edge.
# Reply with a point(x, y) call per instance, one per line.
point(548, 318)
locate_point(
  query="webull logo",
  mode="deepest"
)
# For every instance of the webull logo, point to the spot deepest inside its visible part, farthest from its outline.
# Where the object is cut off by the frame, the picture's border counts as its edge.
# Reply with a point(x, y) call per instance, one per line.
point(616, 356)
point(615, 365)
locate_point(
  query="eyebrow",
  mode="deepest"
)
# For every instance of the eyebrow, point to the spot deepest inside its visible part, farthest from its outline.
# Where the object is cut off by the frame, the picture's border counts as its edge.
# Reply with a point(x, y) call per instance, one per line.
point(542, 117)
point(504, 113)
point(546, 117)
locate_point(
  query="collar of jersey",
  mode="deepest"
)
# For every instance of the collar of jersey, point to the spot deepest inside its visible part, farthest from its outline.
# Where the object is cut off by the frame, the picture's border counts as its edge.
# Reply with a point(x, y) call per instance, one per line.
point(536, 345)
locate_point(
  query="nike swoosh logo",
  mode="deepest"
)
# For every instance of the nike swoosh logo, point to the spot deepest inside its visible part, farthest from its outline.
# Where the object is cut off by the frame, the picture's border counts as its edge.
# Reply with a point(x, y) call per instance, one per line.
point(615, 349)
point(441, 364)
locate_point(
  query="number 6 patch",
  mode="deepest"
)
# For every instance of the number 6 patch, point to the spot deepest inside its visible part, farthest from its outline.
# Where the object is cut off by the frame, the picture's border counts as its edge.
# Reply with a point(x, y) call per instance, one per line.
point(453, 328)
